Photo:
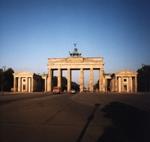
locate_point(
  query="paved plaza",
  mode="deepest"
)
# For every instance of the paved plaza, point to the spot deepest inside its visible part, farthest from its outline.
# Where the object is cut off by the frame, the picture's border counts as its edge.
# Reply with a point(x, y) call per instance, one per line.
point(85, 117)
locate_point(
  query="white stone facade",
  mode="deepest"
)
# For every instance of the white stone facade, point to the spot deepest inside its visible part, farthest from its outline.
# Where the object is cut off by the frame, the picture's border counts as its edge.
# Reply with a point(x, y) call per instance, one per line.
point(124, 81)
point(26, 82)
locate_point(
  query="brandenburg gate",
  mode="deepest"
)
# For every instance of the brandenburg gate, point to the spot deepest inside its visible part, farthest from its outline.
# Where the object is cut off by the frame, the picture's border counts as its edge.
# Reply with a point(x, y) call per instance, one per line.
point(122, 81)
point(76, 62)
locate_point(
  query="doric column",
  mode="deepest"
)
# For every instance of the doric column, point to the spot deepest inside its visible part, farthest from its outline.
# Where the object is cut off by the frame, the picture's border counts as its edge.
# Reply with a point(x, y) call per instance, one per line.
point(19, 84)
point(115, 84)
point(135, 84)
point(68, 79)
point(131, 85)
point(91, 81)
point(32, 82)
point(27, 90)
point(121, 84)
point(29, 81)
point(128, 84)
point(81, 80)
point(119, 88)
point(49, 80)
point(59, 78)
point(14, 84)
point(101, 80)
point(45, 84)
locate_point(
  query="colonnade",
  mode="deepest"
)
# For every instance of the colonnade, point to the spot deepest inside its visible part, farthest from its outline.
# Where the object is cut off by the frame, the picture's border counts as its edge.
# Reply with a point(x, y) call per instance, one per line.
point(81, 79)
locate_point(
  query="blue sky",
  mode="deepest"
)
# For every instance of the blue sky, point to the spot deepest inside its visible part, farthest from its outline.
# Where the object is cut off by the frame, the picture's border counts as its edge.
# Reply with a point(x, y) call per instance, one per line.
point(31, 31)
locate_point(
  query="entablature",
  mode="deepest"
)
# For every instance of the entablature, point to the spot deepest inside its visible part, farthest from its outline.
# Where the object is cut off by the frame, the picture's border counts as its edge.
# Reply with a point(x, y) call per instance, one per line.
point(76, 62)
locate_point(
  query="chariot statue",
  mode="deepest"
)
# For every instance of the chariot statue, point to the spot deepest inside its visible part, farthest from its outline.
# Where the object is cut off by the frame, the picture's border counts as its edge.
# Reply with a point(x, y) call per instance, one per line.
point(75, 52)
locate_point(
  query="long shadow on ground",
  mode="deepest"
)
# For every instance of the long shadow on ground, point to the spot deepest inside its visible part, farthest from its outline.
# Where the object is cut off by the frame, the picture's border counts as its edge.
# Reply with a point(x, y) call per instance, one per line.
point(90, 118)
point(129, 124)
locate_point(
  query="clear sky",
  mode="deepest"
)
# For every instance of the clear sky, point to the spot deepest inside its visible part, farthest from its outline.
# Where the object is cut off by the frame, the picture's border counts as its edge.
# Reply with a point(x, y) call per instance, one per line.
point(33, 30)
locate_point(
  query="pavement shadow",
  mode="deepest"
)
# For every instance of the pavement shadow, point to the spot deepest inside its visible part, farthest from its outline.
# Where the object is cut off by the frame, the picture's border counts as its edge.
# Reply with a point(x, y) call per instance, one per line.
point(129, 124)
point(89, 120)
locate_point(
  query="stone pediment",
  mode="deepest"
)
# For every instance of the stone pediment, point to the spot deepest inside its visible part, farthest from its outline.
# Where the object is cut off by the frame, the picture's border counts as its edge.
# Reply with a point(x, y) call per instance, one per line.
point(126, 73)
point(23, 73)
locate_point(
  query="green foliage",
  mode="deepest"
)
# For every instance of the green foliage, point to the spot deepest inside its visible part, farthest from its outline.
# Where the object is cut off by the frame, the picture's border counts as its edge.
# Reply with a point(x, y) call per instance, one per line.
point(143, 78)
point(6, 79)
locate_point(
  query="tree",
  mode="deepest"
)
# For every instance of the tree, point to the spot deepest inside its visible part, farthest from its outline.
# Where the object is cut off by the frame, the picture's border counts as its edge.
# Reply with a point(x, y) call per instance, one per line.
point(6, 79)
point(1, 79)
point(143, 78)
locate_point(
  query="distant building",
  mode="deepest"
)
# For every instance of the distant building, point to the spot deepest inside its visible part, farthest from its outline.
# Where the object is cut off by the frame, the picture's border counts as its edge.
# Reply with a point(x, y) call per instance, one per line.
point(27, 82)
point(144, 78)
point(124, 81)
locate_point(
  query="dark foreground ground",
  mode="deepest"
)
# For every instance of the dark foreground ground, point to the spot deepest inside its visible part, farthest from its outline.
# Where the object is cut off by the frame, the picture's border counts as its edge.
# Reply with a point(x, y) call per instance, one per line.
point(75, 118)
